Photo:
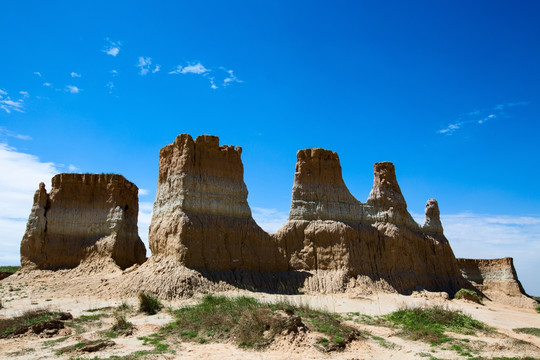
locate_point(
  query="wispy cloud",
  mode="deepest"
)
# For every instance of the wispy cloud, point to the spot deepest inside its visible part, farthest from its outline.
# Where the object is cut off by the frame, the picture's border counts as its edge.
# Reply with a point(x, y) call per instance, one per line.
point(231, 78)
point(480, 117)
point(7, 133)
point(197, 69)
point(9, 105)
point(73, 89)
point(485, 236)
point(114, 72)
point(110, 86)
point(47, 84)
point(144, 64)
point(37, 73)
point(143, 192)
point(269, 219)
point(112, 48)
point(75, 75)
point(219, 77)
point(25, 94)
point(73, 168)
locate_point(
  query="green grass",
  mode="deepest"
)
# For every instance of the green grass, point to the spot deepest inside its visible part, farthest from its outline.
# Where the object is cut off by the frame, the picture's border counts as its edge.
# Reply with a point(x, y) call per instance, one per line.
point(430, 323)
point(89, 318)
point(149, 304)
point(529, 331)
point(120, 327)
point(15, 324)
point(467, 294)
point(251, 324)
point(9, 269)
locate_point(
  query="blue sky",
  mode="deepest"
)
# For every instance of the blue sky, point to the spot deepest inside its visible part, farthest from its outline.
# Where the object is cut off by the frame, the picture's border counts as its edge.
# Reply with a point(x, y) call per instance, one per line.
point(448, 91)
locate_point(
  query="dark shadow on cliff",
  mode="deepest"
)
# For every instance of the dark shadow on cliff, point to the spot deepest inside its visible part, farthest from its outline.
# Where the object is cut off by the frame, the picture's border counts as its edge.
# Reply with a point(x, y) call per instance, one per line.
point(283, 282)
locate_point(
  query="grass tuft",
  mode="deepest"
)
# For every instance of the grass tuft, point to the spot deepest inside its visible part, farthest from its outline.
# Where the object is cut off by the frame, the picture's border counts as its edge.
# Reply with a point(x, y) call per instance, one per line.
point(529, 331)
point(9, 269)
point(430, 323)
point(19, 324)
point(467, 294)
point(149, 304)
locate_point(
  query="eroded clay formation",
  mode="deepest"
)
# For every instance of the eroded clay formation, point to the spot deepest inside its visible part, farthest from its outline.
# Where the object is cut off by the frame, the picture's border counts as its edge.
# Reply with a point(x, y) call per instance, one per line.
point(497, 279)
point(201, 218)
point(202, 234)
point(85, 216)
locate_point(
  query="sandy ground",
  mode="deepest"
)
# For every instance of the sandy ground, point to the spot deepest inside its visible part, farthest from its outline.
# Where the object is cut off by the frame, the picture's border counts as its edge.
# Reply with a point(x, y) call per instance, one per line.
point(18, 295)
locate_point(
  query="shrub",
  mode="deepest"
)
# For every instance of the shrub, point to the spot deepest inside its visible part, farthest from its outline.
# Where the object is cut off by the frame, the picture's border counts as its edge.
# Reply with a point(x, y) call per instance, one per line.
point(149, 304)
point(121, 323)
point(430, 323)
point(252, 324)
point(20, 324)
point(467, 294)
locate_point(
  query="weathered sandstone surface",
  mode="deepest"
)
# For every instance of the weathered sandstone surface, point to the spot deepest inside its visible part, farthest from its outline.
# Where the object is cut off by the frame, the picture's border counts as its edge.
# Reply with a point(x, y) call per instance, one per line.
point(328, 229)
point(201, 216)
point(203, 237)
point(497, 279)
point(202, 220)
point(85, 216)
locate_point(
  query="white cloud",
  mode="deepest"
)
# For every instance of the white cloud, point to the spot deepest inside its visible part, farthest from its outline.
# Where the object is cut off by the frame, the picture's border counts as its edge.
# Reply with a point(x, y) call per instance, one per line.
point(145, 216)
point(112, 48)
point(213, 83)
point(37, 73)
point(270, 220)
point(486, 236)
point(75, 75)
point(47, 84)
point(143, 192)
point(144, 64)
point(7, 133)
point(110, 86)
point(449, 130)
point(19, 179)
point(231, 78)
point(197, 69)
point(156, 69)
point(73, 89)
point(25, 94)
point(114, 72)
point(480, 116)
point(9, 105)
point(73, 168)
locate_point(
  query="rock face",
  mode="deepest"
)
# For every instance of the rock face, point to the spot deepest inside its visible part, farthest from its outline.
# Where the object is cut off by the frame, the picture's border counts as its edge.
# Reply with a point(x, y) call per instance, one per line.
point(201, 216)
point(319, 192)
point(497, 279)
point(433, 223)
point(202, 220)
point(328, 229)
point(84, 216)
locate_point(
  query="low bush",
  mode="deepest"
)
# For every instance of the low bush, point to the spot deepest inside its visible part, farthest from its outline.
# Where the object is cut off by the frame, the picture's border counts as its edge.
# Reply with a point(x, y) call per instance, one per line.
point(467, 294)
point(430, 323)
point(149, 304)
point(19, 324)
point(530, 331)
point(252, 324)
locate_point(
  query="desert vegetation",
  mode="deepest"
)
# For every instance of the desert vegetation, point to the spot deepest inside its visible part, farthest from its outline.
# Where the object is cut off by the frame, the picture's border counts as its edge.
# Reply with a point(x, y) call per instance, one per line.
point(467, 294)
